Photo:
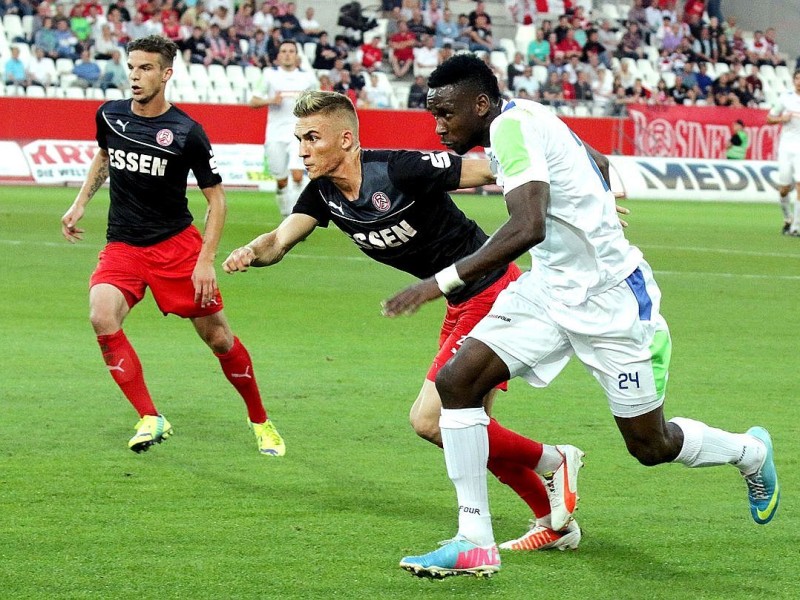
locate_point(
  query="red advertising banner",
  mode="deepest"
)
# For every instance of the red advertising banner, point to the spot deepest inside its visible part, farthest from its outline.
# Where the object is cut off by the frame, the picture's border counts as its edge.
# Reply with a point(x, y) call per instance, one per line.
point(699, 131)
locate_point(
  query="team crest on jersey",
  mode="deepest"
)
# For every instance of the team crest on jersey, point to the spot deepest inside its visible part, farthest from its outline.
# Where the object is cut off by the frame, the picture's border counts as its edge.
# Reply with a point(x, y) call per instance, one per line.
point(381, 201)
point(164, 137)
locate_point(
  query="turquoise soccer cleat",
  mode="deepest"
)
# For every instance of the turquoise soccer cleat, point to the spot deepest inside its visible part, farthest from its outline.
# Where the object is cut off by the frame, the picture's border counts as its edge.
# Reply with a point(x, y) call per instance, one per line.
point(763, 489)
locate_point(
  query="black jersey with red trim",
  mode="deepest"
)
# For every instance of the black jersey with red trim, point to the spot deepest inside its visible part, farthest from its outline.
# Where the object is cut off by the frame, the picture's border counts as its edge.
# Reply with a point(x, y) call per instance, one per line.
point(149, 161)
point(404, 216)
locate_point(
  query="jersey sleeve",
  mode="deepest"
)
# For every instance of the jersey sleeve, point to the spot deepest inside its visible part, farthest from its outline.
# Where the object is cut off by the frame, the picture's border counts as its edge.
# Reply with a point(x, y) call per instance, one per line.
point(311, 203)
point(201, 158)
point(424, 172)
point(520, 154)
point(102, 128)
point(777, 108)
point(264, 87)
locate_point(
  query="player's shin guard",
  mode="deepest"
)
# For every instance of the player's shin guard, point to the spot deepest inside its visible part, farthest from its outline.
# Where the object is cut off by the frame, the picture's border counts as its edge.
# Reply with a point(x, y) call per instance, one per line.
point(124, 366)
point(238, 368)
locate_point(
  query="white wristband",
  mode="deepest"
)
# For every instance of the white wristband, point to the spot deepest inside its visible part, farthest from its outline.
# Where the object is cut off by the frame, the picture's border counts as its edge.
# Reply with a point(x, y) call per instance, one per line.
point(448, 279)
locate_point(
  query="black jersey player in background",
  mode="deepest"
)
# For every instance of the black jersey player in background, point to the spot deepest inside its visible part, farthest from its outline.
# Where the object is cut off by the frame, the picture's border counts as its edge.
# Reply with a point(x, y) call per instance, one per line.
point(394, 205)
point(147, 147)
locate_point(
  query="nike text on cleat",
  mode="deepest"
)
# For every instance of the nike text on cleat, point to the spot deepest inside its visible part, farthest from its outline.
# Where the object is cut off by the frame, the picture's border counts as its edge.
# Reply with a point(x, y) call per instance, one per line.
point(456, 557)
point(763, 489)
point(562, 487)
point(544, 538)
point(149, 430)
point(270, 441)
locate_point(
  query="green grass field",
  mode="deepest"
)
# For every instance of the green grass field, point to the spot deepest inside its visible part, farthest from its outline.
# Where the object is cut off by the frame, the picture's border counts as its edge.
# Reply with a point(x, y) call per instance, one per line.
point(205, 516)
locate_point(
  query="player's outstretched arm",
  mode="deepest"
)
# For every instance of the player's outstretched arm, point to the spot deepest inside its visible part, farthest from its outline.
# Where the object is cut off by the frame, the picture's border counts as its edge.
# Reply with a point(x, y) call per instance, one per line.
point(95, 178)
point(475, 173)
point(269, 248)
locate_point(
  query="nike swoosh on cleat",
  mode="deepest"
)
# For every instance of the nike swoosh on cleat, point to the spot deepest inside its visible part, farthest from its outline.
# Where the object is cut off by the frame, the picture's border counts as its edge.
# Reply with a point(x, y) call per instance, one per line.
point(765, 514)
point(570, 495)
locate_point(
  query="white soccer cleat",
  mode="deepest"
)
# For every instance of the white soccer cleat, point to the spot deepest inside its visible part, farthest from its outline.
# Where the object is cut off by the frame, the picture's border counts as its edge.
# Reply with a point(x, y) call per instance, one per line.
point(562, 487)
point(544, 538)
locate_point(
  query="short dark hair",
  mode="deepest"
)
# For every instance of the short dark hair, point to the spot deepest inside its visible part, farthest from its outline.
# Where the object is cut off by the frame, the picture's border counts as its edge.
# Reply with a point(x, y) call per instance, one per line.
point(466, 70)
point(156, 44)
point(740, 122)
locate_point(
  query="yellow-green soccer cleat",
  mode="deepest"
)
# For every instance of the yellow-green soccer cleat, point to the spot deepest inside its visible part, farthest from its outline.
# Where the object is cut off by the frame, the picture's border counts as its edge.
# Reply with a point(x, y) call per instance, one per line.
point(150, 430)
point(270, 441)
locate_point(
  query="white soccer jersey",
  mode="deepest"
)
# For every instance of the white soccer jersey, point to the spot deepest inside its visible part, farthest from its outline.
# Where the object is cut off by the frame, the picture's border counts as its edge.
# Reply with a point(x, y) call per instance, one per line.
point(584, 251)
point(290, 84)
point(789, 102)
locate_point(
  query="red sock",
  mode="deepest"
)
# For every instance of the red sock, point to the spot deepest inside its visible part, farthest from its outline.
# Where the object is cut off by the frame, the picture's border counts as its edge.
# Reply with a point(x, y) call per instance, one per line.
point(125, 368)
point(510, 446)
point(525, 482)
point(512, 458)
point(238, 368)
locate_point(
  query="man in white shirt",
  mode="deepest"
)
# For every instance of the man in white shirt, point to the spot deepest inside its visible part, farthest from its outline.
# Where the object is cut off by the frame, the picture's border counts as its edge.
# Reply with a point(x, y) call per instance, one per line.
point(589, 293)
point(41, 69)
point(280, 87)
point(787, 112)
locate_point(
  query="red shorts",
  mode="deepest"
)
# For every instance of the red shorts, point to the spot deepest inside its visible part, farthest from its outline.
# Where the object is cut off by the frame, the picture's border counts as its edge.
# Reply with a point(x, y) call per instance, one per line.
point(459, 320)
point(166, 268)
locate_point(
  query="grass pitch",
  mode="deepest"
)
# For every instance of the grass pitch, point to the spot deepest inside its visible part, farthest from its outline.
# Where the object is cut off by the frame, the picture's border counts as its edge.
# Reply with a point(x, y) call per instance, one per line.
point(205, 516)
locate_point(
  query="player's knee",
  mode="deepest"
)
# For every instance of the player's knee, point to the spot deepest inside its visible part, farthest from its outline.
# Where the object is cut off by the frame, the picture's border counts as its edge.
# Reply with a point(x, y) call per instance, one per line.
point(104, 321)
point(426, 427)
point(648, 452)
point(784, 190)
point(454, 385)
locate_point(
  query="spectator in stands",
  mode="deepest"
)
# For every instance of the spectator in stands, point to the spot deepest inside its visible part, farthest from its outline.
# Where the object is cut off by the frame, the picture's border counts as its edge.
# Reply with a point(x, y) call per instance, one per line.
point(372, 54)
point(561, 28)
point(757, 48)
point(432, 14)
point(446, 29)
point(704, 81)
point(341, 44)
point(464, 33)
point(638, 14)
point(393, 20)
point(264, 18)
point(139, 27)
point(344, 86)
point(426, 57)
point(196, 49)
point(389, 6)
point(689, 76)
point(603, 89)
point(583, 89)
point(626, 76)
point(773, 56)
point(244, 22)
point(402, 44)
point(311, 27)
point(124, 13)
point(631, 45)
point(416, 25)
point(114, 74)
point(705, 47)
point(221, 17)
point(86, 70)
point(739, 48)
point(14, 73)
point(514, 68)
point(378, 95)
point(445, 52)
point(336, 72)
point(679, 90)
point(105, 44)
point(569, 46)
point(527, 82)
point(46, 38)
point(673, 36)
point(325, 54)
point(539, 49)
point(325, 83)
point(744, 92)
point(218, 47)
point(274, 42)
point(291, 29)
point(257, 53)
point(40, 69)
point(480, 11)
point(418, 93)
point(119, 29)
point(568, 90)
point(231, 37)
point(608, 37)
point(480, 36)
point(557, 64)
point(637, 94)
point(552, 91)
point(724, 50)
point(357, 77)
point(594, 47)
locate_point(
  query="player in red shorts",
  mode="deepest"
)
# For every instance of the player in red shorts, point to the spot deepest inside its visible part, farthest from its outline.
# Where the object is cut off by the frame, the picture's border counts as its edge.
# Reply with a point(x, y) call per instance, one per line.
point(147, 147)
point(394, 205)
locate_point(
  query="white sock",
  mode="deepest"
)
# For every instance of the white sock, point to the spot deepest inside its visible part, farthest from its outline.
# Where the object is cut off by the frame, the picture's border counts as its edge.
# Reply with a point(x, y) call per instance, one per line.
point(551, 459)
point(786, 207)
point(286, 200)
point(796, 221)
point(705, 446)
point(466, 452)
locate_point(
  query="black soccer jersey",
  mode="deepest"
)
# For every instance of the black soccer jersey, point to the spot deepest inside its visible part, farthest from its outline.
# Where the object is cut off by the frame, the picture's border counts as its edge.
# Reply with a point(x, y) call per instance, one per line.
point(149, 161)
point(403, 216)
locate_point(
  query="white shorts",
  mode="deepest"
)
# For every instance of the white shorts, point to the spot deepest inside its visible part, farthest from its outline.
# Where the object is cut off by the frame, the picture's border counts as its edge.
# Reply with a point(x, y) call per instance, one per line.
point(283, 157)
point(619, 336)
point(788, 164)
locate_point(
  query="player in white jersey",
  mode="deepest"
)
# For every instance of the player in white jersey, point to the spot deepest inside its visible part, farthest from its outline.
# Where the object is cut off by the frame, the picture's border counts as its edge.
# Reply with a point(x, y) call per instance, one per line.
point(787, 112)
point(589, 294)
point(280, 87)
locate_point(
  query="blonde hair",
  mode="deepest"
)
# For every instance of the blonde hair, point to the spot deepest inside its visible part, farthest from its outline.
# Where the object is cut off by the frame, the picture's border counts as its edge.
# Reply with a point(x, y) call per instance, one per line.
point(315, 102)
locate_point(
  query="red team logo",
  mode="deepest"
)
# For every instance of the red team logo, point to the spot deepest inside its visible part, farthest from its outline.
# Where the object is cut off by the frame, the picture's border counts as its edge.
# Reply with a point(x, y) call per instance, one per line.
point(164, 137)
point(381, 201)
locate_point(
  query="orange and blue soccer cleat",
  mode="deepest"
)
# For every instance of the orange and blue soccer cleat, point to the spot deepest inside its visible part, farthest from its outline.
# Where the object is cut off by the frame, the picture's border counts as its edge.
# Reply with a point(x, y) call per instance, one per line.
point(456, 557)
point(544, 538)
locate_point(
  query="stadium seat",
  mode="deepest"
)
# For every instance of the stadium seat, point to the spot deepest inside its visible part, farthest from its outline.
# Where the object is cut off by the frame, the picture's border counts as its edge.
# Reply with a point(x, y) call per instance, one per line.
point(34, 91)
point(721, 68)
point(610, 11)
point(27, 26)
point(13, 27)
point(540, 73)
point(114, 94)
point(498, 59)
point(310, 50)
point(669, 78)
point(253, 75)
point(64, 66)
point(15, 90)
point(216, 73)
point(581, 110)
point(199, 76)
point(190, 95)
point(95, 94)
point(767, 72)
point(228, 96)
point(525, 34)
point(783, 74)
point(54, 91)
point(75, 93)
point(235, 75)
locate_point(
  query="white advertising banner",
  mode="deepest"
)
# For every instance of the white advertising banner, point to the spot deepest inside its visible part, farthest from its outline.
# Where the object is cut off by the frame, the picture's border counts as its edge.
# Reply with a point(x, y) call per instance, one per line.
point(13, 164)
point(67, 161)
point(651, 178)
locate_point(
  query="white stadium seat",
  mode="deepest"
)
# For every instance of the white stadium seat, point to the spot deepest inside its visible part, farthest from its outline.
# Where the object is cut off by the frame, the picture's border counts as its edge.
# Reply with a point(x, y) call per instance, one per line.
point(75, 93)
point(34, 91)
point(13, 26)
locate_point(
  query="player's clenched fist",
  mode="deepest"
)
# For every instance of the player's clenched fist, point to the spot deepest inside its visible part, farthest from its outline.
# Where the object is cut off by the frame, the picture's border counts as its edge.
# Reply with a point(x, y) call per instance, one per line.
point(239, 260)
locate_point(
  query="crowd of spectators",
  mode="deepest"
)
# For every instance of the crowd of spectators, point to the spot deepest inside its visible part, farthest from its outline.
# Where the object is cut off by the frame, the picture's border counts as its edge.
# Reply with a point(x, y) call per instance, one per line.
point(572, 60)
